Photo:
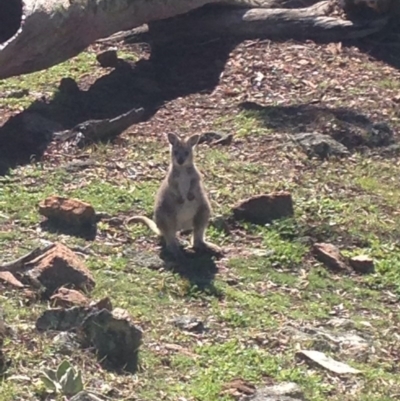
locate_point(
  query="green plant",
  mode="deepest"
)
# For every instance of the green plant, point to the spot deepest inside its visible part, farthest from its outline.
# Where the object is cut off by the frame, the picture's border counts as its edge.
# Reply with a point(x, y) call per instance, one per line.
point(64, 380)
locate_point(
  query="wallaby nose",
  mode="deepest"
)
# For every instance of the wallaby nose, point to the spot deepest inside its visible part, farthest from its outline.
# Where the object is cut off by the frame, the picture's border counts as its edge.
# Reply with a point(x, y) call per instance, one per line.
point(180, 160)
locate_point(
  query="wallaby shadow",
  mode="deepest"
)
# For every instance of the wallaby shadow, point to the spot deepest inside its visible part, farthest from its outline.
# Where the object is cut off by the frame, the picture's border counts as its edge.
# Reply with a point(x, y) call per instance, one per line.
point(349, 127)
point(199, 269)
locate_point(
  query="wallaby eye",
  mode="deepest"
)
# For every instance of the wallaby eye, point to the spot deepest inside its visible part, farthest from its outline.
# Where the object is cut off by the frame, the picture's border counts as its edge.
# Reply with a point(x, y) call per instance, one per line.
point(186, 153)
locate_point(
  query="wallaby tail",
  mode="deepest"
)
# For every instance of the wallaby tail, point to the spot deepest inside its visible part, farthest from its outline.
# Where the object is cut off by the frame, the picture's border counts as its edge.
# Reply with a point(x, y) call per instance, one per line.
point(145, 220)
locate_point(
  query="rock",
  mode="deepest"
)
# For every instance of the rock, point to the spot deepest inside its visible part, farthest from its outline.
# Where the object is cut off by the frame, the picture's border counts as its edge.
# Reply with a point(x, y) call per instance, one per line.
point(59, 267)
point(69, 86)
point(85, 396)
point(66, 298)
point(8, 278)
point(104, 303)
point(284, 391)
point(319, 145)
point(189, 323)
point(62, 319)
point(327, 362)
point(114, 336)
point(330, 256)
point(379, 134)
point(66, 342)
point(362, 264)
point(71, 212)
point(262, 209)
point(108, 58)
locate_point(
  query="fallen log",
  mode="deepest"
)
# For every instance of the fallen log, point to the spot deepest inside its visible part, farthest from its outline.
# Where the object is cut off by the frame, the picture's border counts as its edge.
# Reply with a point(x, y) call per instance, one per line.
point(37, 34)
point(310, 22)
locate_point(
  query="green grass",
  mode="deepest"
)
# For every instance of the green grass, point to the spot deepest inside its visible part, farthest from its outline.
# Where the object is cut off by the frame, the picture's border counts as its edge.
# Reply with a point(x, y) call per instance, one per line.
point(268, 281)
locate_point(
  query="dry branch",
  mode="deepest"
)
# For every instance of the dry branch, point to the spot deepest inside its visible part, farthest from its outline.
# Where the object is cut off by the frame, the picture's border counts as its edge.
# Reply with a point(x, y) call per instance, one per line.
point(101, 130)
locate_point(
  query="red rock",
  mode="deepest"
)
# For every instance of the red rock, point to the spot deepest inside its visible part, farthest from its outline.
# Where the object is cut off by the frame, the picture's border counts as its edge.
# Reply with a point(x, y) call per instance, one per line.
point(66, 298)
point(72, 212)
point(8, 278)
point(330, 256)
point(262, 209)
point(59, 267)
point(362, 264)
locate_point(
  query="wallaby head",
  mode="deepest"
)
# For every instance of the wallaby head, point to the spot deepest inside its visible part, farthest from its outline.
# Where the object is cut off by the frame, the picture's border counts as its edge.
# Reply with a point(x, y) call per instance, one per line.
point(182, 149)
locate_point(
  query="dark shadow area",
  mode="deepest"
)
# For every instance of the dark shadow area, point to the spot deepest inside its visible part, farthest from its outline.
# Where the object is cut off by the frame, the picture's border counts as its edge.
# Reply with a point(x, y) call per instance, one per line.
point(170, 72)
point(199, 270)
point(10, 18)
point(349, 127)
point(87, 233)
point(383, 46)
point(173, 70)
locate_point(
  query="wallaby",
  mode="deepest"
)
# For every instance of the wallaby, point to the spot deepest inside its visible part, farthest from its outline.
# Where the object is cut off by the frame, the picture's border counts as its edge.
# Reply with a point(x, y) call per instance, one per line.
point(181, 202)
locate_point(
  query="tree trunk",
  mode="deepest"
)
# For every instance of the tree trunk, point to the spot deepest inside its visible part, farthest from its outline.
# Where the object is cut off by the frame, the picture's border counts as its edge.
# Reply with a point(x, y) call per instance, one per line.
point(37, 34)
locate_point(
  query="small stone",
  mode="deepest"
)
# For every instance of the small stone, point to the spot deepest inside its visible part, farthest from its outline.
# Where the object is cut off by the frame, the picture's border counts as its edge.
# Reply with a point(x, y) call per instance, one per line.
point(8, 278)
point(330, 256)
point(262, 209)
point(108, 58)
point(362, 264)
point(66, 342)
point(66, 298)
point(59, 267)
point(72, 212)
point(189, 323)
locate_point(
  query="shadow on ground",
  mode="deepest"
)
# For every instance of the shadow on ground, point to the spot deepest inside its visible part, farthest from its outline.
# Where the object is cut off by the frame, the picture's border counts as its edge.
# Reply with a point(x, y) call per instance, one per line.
point(347, 126)
point(169, 73)
point(172, 71)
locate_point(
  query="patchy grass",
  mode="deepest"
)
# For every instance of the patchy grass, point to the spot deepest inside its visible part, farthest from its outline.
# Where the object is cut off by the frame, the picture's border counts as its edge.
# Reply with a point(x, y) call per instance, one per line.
point(268, 280)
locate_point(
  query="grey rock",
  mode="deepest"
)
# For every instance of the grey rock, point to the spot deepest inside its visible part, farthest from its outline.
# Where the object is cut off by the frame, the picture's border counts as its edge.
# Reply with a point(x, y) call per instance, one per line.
point(189, 323)
point(115, 337)
point(319, 145)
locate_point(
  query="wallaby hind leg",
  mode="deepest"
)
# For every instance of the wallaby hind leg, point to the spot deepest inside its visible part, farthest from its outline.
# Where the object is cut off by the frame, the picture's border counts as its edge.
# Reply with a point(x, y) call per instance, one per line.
point(172, 245)
point(200, 223)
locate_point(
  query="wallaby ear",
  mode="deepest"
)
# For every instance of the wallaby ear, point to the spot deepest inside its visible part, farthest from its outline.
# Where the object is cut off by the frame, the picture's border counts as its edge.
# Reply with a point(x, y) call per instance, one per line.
point(172, 138)
point(193, 140)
